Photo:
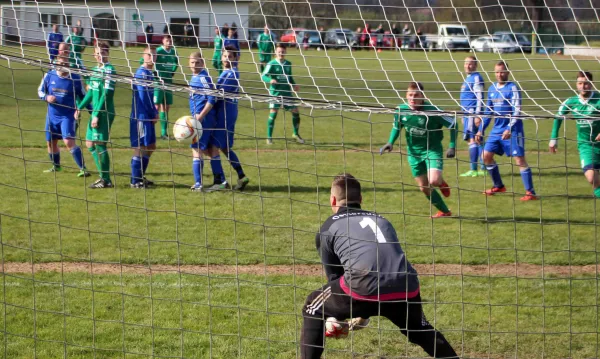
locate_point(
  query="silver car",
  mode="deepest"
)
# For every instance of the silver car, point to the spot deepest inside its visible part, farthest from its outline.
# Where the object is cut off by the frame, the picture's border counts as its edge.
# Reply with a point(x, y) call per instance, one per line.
point(493, 44)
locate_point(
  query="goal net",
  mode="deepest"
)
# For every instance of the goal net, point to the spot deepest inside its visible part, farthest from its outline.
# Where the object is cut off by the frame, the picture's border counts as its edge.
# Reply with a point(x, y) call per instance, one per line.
point(162, 271)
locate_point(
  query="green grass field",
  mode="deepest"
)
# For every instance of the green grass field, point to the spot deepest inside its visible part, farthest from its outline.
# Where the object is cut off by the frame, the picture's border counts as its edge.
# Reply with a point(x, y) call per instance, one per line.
point(55, 219)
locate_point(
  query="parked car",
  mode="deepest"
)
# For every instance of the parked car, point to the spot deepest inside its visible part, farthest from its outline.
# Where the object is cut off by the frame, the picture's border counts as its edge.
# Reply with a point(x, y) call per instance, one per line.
point(254, 33)
point(449, 37)
point(295, 36)
point(521, 39)
point(340, 39)
point(493, 44)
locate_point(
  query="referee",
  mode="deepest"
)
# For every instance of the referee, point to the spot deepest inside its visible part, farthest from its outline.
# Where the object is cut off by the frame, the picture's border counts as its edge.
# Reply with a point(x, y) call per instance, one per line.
point(368, 274)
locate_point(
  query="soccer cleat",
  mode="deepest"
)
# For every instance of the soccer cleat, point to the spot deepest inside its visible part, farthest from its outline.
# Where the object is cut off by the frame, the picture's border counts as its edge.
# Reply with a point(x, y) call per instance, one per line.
point(241, 184)
point(298, 139)
point(470, 173)
point(358, 323)
point(53, 169)
point(218, 187)
point(529, 196)
point(492, 191)
point(481, 173)
point(269, 141)
point(83, 173)
point(441, 214)
point(445, 189)
point(196, 188)
point(164, 137)
point(147, 182)
point(100, 183)
point(138, 185)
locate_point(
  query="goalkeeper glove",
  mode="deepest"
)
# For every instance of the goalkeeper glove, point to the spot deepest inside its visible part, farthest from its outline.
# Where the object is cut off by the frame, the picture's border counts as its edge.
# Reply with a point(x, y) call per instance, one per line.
point(358, 323)
point(450, 153)
point(387, 147)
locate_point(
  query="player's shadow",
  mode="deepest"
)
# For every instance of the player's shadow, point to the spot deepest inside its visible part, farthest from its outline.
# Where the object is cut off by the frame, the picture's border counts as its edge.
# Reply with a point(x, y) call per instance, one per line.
point(530, 220)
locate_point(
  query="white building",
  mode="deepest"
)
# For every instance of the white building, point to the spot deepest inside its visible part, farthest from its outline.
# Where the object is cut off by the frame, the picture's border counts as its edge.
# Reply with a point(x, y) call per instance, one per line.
point(121, 21)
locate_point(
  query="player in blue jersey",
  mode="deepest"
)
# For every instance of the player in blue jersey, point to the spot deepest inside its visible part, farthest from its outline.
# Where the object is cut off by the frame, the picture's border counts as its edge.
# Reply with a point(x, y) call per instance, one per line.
point(472, 105)
point(144, 115)
point(227, 113)
point(507, 136)
point(202, 108)
point(232, 42)
point(54, 39)
point(60, 90)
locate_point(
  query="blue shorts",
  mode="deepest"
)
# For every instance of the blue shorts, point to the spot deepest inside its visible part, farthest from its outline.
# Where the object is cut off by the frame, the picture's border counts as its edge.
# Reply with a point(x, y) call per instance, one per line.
point(209, 123)
point(515, 146)
point(60, 128)
point(141, 132)
point(226, 118)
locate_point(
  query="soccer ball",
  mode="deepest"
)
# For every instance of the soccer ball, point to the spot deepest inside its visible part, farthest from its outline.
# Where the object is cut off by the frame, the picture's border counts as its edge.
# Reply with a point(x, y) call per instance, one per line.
point(187, 129)
point(336, 329)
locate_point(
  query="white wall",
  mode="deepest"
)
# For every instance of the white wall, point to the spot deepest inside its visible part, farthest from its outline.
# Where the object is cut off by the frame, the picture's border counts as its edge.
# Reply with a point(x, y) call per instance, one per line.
point(208, 13)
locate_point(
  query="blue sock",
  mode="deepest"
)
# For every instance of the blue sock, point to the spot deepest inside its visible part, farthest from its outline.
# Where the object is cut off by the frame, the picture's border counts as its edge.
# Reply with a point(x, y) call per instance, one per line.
point(473, 152)
point(136, 170)
point(55, 158)
point(197, 166)
point(217, 169)
point(527, 178)
point(480, 157)
point(495, 174)
point(235, 163)
point(145, 162)
point(78, 157)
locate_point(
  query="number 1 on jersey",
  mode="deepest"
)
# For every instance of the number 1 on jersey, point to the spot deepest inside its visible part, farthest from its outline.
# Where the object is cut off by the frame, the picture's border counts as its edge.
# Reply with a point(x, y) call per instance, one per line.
point(368, 221)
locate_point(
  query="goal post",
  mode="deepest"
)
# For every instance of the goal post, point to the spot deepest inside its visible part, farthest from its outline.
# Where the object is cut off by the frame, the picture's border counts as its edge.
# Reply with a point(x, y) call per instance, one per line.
point(159, 270)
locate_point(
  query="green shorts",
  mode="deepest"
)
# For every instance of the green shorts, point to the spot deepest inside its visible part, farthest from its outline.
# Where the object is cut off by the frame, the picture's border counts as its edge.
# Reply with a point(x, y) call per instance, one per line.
point(287, 97)
point(277, 106)
point(102, 132)
point(420, 164)
point(163, 96)
point(264, 58)
point(589, 155)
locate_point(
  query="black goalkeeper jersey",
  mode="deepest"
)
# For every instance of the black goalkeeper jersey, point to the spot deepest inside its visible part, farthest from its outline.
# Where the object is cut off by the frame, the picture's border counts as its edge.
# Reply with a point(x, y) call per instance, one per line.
point(361, 250)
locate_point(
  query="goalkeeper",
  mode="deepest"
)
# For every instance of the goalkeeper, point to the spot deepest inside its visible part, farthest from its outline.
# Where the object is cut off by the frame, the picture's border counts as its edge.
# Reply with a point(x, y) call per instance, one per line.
point(585, 109)
point(424, 134)
point(368, 275)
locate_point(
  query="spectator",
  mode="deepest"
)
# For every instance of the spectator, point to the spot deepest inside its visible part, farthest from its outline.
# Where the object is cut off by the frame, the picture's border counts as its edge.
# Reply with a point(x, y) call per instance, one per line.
point(188, 31)
point(166, 29)
point(379, 31)
point(365, 38)
point(54, 39)
point(149, 33)
point(395, 32)
point(305, 41)
point(232, 41)
point(322, 37)
point(234, 28)
point(225, 30)
point(420, 43)
point(405, 36)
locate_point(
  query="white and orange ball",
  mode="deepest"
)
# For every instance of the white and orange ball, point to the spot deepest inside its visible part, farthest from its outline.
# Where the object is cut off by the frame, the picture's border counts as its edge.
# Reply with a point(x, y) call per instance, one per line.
point(187, 129)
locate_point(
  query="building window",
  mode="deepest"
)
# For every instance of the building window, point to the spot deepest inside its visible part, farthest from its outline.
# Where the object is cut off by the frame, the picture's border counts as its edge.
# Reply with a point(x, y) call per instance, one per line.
point(68, 19)
point(47, 20)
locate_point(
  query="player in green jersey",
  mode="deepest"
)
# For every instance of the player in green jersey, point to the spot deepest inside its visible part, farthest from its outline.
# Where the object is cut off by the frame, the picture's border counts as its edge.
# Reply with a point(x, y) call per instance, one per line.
point(216, 59)
point(278, 73)
point(424, 134)
point(585, 110)
point(167, 63)
point(78, 44)
point(265, 48)
point(101, 95)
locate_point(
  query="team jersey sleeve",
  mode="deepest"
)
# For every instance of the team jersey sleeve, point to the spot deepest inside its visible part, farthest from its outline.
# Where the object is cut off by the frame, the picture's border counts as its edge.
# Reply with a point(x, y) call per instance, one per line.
point(450, 122)
point(478, 91)
point(563, 110)
point(266, 75)
point(331, 263)
point(80, 92)
point(488, 111)
point(515, 103)
point(176, 64)
point(396, 127)
point(43, 88)
point(290, 77)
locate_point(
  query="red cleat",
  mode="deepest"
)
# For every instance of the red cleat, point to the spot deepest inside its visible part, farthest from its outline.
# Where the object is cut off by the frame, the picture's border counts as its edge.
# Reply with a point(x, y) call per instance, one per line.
point(441, 214)
point(529, 197)
point(445, 189)
point(492, 191)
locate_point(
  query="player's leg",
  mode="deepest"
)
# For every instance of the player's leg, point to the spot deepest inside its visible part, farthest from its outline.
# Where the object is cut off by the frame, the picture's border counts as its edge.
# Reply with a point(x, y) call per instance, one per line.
point(473, 146)
point(197, 167)
point(589, 157)
point(419, 171)
point(53, 134)
point(274, 109)
point(220, 183)
point(493, 146)
point(516, 149)
point(68, 128)
point(482, 169)
point(296, 124)
point(435, 166)
point(230, 120)
point(164, 120)
point(147, 147)
point(409, 317)
point(136, 137)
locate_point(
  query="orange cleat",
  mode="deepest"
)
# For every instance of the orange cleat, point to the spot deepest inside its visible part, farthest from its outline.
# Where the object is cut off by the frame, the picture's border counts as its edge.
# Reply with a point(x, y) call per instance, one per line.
point(492, 191)
point(529, 197)
point(445, 189)
point(441, 214)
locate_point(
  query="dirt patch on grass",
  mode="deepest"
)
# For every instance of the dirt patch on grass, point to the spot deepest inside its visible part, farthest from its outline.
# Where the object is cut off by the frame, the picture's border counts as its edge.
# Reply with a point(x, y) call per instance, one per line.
point(510, 270)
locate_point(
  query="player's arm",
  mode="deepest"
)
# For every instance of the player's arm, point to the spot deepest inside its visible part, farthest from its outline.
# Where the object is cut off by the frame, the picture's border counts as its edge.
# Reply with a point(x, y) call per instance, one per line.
point(43, 90)
point(331, 263)
point(394, 134)
point(266, 75)
point(487, 113)
point(515, 103)
point(450, 123)
point(211, 100)
point(175, 66)
point(478, 91)
point(563, 110)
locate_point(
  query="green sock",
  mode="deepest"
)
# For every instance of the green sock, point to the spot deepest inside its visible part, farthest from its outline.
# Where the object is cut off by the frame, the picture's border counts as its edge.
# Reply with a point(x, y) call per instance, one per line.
point(163, 123)
point(296, 122)
point(271, 124)
point(95, 156)
point(104, 159)
point(597, 192)
point(437, 201)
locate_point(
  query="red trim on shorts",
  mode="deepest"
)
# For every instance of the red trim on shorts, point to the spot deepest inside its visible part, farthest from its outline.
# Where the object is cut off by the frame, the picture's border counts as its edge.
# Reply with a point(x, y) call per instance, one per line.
point(387, 296)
